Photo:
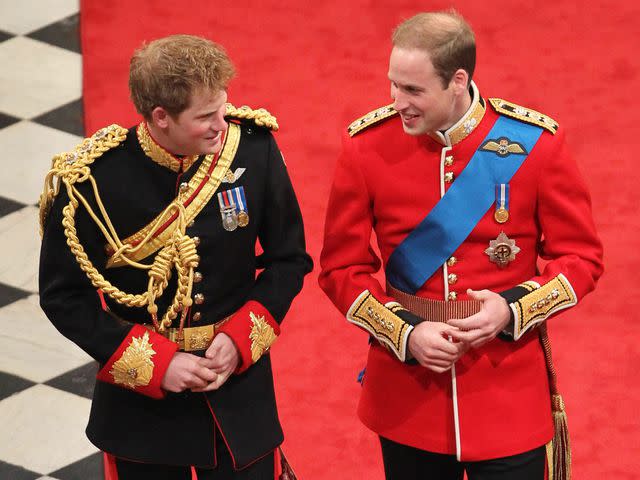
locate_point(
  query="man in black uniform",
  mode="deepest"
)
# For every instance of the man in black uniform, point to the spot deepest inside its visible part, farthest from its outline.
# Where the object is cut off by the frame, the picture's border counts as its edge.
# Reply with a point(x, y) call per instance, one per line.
point(149, 264)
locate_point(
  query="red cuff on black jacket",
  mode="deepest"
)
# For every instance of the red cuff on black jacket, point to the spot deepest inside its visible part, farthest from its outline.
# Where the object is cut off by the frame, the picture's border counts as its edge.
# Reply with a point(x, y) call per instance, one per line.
point(253, 330)
point(140, 362)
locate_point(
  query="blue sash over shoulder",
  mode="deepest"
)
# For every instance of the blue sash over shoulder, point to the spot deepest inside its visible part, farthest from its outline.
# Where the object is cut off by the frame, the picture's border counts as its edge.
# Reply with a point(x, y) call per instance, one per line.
point(457, 213)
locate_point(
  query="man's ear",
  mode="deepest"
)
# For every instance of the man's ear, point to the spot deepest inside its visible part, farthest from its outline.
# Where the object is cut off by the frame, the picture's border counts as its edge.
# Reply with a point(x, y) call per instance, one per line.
point(160, 117)
point(460, 81)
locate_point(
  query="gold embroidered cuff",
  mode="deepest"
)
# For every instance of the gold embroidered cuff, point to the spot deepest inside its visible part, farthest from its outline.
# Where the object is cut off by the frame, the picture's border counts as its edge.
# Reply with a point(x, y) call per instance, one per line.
point(381, 322)
point(135, 367)
point(262, 336)
point(541, 303)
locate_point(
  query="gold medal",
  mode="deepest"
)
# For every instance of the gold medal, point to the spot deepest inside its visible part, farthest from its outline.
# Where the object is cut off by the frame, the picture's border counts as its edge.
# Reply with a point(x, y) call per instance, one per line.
point(243, 218)
point(501, 215)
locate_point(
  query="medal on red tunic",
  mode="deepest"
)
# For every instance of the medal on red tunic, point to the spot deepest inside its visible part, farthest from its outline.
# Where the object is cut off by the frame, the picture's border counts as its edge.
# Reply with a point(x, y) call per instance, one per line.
point(501, 215)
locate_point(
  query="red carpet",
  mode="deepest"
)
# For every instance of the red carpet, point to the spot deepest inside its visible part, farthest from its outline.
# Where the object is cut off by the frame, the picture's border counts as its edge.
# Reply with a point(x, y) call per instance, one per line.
point(318, 67)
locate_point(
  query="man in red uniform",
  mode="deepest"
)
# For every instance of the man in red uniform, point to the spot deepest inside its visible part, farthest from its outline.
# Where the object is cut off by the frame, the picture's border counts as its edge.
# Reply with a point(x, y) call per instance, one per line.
point(464, 195)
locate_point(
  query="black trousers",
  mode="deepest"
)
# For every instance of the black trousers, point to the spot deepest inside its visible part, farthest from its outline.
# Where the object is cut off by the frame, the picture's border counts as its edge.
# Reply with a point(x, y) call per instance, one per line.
point(402, 462)
point(262, 469)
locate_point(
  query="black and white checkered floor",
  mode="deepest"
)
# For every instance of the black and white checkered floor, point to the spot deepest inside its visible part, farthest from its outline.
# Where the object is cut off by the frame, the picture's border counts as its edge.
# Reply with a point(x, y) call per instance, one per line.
point(45, 381)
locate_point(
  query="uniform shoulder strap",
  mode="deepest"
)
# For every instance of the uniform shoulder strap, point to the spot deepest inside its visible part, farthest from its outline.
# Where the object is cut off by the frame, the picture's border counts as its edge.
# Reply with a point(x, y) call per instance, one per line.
point(259, 117)
point(74, 166)
point(527, 115)
point(371, 118)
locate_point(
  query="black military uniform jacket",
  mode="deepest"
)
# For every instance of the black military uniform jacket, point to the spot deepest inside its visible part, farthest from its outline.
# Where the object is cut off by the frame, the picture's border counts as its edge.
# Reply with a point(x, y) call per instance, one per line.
point(137, 420)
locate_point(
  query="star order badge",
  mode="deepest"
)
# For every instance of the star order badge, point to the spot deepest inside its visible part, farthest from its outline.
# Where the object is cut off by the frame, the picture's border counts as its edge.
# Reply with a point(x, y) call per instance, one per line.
point(502, 250)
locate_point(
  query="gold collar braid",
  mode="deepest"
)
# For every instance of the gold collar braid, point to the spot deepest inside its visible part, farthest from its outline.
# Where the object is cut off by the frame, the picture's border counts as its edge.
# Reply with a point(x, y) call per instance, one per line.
point(180, 251)
point(158, 154)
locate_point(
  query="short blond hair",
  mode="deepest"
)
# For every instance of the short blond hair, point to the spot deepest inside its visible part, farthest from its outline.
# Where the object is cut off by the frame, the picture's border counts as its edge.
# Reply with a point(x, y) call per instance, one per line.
point(165, 72)
point(445, 36)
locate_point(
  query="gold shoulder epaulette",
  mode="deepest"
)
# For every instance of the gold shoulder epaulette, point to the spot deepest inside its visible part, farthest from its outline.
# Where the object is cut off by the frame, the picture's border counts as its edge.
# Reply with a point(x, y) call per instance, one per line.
point(73, 166)
point(260, 117)
point(371, 118)
point(524, 114)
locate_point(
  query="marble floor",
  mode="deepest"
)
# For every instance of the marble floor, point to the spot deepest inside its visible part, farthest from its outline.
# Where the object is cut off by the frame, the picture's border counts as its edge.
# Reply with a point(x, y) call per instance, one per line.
point(45, 381)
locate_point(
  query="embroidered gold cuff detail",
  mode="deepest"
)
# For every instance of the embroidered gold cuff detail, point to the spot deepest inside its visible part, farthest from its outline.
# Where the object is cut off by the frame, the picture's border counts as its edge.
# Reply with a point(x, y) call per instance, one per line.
point(262, 336)
point(381, 322)
point(530, 285)
point(135, 367)
point(541, 303)
point(394, 306)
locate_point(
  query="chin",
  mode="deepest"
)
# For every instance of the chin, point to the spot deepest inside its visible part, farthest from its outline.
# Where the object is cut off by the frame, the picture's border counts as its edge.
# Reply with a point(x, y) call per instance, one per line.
point(414, 131)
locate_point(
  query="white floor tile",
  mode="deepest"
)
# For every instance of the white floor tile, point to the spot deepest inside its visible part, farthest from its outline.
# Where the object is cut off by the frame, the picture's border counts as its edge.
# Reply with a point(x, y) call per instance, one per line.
point(31, 347)
point(55, 440)
point(27, 149)
point(20, 240)
point(38, 76)
point(24, 16)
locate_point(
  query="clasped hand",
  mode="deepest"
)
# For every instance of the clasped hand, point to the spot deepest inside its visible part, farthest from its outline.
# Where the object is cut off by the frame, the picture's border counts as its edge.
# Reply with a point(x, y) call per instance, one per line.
point(437, 346)
point(202, 374)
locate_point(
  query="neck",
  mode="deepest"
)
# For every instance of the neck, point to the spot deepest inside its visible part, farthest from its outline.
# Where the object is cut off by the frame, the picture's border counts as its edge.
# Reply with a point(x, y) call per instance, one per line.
point(460, 107)
point(161, 138)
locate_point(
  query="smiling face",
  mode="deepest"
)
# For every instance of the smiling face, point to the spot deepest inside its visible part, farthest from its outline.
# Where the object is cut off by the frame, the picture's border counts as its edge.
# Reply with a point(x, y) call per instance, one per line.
point(199, 128)
point(418, 94)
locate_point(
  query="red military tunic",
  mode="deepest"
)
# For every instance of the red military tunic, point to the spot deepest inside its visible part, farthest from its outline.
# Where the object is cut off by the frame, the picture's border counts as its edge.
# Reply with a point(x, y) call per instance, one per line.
point(387, 181)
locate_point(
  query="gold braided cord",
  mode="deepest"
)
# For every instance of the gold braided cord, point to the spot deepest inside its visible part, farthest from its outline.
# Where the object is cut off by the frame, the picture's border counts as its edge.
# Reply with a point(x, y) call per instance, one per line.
point(260, 117)
point(180, 252)
point(559, 449)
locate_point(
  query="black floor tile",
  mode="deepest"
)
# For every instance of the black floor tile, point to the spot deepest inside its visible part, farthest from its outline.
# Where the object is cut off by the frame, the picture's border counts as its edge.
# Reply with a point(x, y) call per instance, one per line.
point(79, 381)
point(88, 468)
point(8, 206)
point(12, 472)
point(63, 34)
point(5, 35)
point(6, 120)
point(9, 295)
point(10, 384)
point(68, 118)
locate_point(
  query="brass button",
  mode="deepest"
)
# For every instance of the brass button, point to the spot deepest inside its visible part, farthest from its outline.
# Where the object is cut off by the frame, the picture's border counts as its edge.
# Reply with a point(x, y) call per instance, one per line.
point(452, 261)
point(448, 160)
point(448, 177)
point(196, 317)
point(451, 278)
point(183, 187)
point(453, 296)
point(197, 277)
point(198, 298)
point(196, 241)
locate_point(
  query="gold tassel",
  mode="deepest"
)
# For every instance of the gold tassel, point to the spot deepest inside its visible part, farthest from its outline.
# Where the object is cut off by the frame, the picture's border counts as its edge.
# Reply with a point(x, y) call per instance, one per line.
point(559, 449)
point(560, 443)
point(549, 449)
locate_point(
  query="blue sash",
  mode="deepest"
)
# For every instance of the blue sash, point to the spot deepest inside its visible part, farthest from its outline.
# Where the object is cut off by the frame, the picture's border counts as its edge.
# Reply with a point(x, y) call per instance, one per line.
point(457, 213)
